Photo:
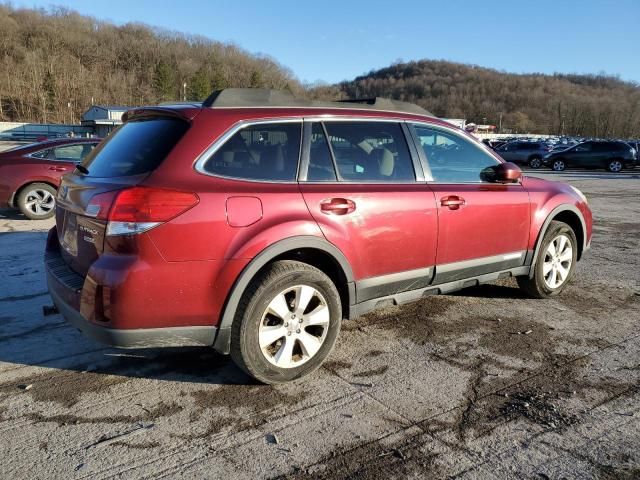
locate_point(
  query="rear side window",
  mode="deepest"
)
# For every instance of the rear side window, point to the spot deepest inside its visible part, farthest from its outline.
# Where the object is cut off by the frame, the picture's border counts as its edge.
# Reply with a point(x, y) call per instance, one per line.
point(583, 147)
point(72, 153)
point(267, 152)
point(136, 147)
point(370, 151)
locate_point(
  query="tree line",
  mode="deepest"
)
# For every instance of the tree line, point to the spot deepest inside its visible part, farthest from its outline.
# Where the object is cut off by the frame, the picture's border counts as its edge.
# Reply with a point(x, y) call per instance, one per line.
point(56, 63)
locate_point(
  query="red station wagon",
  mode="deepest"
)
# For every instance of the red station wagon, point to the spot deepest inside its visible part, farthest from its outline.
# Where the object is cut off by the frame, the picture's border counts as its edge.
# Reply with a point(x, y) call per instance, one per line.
point(255, 222)
point(30, 174)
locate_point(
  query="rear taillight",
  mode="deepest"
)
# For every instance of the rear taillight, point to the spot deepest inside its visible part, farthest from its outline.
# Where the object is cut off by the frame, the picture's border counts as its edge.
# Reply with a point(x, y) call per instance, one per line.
point(138, 209)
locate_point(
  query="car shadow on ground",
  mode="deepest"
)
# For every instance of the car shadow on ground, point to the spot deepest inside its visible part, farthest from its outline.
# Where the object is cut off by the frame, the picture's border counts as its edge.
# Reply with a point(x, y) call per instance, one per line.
point(9, 214)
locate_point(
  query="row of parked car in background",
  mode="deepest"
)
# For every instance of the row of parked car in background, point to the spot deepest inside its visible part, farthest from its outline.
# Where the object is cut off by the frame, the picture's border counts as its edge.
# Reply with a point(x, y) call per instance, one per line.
point(562, 153)
point(30, 174)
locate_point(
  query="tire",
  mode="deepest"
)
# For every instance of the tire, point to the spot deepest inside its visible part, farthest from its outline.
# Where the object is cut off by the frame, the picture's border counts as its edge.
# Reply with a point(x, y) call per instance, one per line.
point(558, 165)
point(37, 201)
point(615, 165)
point(256, 346)
point(541, 284)
point(535, 162)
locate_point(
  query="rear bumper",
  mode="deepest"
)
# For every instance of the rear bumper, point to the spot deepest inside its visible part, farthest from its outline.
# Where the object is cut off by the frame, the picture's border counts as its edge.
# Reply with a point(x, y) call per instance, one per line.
point(134, 338)
point(66, 287)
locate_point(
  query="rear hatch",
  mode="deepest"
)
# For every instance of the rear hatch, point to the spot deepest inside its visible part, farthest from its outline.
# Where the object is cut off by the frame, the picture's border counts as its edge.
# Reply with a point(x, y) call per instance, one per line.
point(122, 161)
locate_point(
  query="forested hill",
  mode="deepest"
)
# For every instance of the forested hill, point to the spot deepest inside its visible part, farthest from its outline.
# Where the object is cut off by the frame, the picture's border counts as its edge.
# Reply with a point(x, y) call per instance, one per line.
point(54, 64)
point(589, 105)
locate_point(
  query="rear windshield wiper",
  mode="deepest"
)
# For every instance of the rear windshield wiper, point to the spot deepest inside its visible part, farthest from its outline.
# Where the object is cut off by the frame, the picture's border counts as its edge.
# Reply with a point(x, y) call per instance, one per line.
point(82, 169)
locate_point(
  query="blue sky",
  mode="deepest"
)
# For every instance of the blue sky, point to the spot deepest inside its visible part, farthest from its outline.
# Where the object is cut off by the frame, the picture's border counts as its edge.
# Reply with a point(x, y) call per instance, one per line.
point(332, 40)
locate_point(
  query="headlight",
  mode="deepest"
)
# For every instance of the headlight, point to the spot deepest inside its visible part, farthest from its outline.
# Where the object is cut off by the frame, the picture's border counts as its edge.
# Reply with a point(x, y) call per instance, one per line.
point(548, 155)
point(580, 194)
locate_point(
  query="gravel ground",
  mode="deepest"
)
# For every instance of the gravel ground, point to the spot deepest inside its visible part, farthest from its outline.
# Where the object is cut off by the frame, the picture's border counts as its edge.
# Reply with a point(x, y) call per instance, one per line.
point(481, 384)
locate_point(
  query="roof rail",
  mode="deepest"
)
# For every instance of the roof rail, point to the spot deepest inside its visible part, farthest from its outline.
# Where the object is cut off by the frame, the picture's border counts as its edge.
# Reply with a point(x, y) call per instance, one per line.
point(264, 97)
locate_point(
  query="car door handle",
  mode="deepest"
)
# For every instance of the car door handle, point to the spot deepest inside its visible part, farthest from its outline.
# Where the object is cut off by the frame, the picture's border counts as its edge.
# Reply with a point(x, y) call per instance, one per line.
point(337, 206)
point(453, 202)
point(58, 169)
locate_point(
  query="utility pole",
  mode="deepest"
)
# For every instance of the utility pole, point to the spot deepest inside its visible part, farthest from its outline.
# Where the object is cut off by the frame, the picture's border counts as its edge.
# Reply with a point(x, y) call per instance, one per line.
point(500, 124)
point(184, 91)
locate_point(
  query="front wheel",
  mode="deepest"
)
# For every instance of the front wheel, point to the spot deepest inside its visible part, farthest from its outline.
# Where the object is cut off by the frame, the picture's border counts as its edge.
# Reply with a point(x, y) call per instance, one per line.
point(558, 165)
point(287, 322)
point(37, 201)
point(555, 263)
point(615, 166)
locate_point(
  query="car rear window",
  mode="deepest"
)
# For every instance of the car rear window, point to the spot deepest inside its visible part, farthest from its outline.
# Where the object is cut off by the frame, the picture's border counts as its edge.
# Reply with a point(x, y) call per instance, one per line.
point(136, 147)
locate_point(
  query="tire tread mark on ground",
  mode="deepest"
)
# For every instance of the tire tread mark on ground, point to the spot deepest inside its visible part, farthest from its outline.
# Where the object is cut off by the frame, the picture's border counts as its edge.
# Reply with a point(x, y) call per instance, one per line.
point(17, 298)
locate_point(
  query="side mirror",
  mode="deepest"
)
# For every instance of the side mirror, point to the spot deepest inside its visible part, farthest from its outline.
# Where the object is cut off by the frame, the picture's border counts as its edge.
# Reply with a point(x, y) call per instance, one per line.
point(506, 172)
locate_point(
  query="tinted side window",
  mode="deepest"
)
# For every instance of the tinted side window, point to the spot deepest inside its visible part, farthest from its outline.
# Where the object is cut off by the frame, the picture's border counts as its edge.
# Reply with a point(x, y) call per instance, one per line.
point(452, 158)
point(136, 147)
point(583, 147)
point(370, 151)
point(320, 163)
point(259, 152)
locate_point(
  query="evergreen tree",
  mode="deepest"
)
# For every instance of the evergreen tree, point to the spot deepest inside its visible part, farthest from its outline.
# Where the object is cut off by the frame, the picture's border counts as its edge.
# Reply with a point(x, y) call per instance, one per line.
point(199, 86)
point(218, 80)
point(256, 80)
point(164, 82)
point(49, 89)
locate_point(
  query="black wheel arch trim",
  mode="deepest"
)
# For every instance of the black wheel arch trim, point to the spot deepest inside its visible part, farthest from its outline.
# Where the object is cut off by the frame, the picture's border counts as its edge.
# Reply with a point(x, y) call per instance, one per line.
point(543, 230)
point(223, 337)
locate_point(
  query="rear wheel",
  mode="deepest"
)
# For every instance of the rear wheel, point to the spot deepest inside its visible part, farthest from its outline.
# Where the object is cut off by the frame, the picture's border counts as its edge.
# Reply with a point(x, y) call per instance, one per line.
point(555, 264)
point(535, 162)
point(287, 322)
point(558, 165)
point(37, 201)
point(615, 165)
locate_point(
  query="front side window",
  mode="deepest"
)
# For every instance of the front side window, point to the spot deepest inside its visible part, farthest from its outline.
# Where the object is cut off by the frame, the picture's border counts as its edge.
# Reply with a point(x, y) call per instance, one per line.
point(321, 167)
point(259, 152)
point(452, 158)
point(370, 152)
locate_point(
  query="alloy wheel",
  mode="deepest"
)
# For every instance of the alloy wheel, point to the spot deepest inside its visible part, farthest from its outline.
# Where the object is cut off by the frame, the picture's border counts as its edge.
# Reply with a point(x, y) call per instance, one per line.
point(615, 166)
point(558, 165)
point(40, 202)
point(557, 261)
point(294, 326)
